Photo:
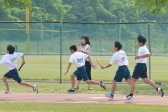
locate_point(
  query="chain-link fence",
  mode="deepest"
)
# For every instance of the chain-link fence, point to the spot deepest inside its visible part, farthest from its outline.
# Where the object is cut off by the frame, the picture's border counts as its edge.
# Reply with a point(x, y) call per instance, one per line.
point(49, 41)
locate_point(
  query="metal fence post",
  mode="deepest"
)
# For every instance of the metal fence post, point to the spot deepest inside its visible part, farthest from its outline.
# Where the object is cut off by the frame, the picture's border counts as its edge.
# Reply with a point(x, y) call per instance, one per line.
point(120, 30)
point(42, 37)
point(165, 49)
point(1, 43)
point(52, 45)
point(116, 28)
point(149, 41)
point(61, 52)
point(135, 47)
point(100, 46)
point(38, 43)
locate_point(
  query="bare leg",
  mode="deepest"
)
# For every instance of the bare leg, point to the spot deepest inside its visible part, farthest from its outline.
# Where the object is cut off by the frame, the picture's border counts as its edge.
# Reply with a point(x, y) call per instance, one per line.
point(133, 80)
point(78, 82)
point(73, 81)
point(5, 80)
point(89, 86)
point(151, 83)
point(114, 87)
point(92, 82)
point(129, 81)
point(26, 84)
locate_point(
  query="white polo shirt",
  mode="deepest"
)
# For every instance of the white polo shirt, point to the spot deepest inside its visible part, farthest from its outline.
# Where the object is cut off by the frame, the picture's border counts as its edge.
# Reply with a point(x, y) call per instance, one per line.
point(11, 60)
point(120, 57)
point(142, 51)
point(86, 49)
point(78, 58)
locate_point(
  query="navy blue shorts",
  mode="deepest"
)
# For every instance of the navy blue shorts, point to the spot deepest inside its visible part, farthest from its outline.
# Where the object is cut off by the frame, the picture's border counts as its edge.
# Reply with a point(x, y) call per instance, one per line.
point(122, 72)
point(88, 71)
point(14, 75)
point(81, 72)
point(140, 71)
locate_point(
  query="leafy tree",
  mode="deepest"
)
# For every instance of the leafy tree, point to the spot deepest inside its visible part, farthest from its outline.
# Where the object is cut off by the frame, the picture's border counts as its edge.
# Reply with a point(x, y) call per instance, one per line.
point(152, 6)
point(11, 3)
point(52, 10)
point(88, 11)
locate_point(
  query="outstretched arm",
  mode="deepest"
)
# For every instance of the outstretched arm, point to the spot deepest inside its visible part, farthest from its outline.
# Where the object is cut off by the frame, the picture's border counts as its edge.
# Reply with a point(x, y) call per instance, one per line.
point(69, 65)
point(103, 67)
point(113, 60)
point(3, 60)
point(94, 66)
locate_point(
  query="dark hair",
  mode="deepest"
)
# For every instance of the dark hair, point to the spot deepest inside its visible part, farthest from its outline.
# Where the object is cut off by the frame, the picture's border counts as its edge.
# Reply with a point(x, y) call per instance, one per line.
point(142, 39)
point(73, 47)
point(86, 39)
point(118, 44)
point(11, 49)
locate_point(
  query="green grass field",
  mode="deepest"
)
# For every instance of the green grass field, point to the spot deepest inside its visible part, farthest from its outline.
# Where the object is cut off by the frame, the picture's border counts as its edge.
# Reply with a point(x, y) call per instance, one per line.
point(47, 67)
point(59, 107)
point(79, 107)
point(45, 87)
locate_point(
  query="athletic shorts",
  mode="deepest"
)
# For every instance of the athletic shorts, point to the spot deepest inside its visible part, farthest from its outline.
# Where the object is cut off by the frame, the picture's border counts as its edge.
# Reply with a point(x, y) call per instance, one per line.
point(140, 71)
point(88, 71)
point(14, 75)
point(122, 72)
point(81, 72)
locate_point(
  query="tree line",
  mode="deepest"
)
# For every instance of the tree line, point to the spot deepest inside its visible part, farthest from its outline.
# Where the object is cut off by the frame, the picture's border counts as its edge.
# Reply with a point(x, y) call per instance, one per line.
point(94, 11)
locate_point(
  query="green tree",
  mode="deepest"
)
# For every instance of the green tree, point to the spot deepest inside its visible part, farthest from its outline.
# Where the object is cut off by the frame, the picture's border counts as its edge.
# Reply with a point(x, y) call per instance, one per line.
point(52, 10)
point(152, 6)
point(121, 9)
point(88, 11)
point(11, 3)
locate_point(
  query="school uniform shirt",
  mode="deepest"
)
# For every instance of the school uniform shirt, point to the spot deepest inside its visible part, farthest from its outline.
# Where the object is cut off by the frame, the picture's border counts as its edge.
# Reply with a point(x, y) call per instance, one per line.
point(142, 51)
point(11, 60)
point(120, 57)
point(78, 58)
point(85, 49)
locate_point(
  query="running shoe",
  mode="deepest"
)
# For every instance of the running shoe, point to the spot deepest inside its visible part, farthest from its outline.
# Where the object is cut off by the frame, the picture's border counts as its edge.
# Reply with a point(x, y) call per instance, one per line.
point(109, 95)
point(6, 92)
point(160, 91)
point(35, 88)
point(102, 85)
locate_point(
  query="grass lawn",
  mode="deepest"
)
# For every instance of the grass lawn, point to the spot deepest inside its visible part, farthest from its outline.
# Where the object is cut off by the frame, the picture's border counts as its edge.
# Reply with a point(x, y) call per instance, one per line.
point(61, 88)
point(64, 107)
point(41, 67)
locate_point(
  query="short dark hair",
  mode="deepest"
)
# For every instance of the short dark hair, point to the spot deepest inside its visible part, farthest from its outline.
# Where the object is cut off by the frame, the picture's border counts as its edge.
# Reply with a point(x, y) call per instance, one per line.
point(142, 39)
point(11, 49)
point(118, 44)
point(73, 47)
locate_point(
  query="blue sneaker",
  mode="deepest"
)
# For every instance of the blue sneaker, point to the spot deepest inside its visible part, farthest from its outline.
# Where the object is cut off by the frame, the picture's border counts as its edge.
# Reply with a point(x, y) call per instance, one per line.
point(109, 95)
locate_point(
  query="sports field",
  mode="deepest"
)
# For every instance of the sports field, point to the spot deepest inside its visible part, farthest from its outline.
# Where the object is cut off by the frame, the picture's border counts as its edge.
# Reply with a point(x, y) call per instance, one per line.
point(43, 70)
point(47, 67)
point(82, 107)
point(45, 87)
point(11, 102)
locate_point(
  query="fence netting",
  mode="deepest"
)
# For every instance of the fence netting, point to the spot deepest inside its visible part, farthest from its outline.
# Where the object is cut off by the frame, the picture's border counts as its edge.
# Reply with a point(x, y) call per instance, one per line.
point(42, 46)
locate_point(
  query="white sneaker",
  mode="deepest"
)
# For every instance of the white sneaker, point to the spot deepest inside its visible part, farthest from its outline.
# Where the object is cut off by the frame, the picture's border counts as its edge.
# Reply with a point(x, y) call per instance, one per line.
point(6, 92)
point(35, 88)
point(160, 91)
point(128, 97)
point(89, 88)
